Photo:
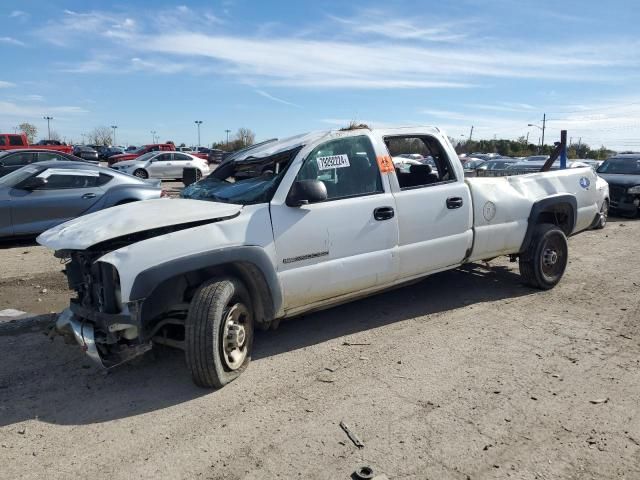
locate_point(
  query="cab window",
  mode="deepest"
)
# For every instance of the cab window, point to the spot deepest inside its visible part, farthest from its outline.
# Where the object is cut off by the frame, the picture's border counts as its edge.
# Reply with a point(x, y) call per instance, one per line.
point(420, 161)
point(347, 166)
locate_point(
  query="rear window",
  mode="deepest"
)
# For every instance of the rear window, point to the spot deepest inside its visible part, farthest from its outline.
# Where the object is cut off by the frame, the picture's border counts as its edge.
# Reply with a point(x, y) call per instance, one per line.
point(15, 140)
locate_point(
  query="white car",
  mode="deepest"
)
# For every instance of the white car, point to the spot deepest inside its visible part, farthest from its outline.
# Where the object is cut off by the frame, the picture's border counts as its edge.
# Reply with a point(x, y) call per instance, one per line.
point(297, 225)
point(164, 165)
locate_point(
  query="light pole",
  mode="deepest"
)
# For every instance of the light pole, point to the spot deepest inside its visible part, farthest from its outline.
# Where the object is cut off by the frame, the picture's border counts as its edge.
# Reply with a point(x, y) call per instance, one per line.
point(113, 127)
point(543, 127)
point(471, 133)
point(48, 119)
point(198, 123)
point(153, 136)
point(227, 130)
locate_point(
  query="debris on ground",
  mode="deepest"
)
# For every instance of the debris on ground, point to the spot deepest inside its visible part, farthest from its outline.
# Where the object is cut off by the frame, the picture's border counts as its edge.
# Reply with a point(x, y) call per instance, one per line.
point(352, 436)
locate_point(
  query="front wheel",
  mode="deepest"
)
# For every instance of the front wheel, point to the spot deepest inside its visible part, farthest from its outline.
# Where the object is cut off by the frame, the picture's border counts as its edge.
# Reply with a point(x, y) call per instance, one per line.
point(545, 260)
point(604, 215)
point(140, 173)
point(219, 332)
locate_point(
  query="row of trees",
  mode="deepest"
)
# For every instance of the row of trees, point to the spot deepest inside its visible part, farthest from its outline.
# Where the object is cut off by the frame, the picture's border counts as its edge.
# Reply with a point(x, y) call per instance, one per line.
point(104, 136)
point(520, 148)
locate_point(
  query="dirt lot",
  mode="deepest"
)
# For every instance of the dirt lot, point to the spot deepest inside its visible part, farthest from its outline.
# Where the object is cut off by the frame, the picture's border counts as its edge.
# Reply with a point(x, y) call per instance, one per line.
point(467, 374)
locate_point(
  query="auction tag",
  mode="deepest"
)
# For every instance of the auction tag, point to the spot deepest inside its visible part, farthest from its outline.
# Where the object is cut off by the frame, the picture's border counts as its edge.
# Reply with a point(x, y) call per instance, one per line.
point(333, 161)
point(386, 164)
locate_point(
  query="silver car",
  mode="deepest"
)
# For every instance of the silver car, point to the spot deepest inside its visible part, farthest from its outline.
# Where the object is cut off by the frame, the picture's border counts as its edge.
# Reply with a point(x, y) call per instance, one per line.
point(39, 196)
point(165, 165)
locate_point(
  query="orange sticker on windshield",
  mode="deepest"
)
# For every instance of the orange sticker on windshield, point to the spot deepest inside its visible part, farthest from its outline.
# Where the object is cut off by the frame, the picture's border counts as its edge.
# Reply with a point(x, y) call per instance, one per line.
point(386, 164)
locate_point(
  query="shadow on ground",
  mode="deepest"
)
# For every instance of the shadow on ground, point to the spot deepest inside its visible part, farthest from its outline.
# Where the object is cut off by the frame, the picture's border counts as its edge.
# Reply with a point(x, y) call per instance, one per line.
point(56, 383)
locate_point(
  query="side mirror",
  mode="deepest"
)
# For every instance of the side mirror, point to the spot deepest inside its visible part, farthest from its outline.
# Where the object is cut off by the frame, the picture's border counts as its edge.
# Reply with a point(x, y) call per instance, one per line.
point(305, 192)
point(32, 183)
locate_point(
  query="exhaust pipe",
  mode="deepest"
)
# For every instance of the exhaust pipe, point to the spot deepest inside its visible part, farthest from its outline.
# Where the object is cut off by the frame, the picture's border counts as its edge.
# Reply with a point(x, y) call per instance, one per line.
point(68, 324)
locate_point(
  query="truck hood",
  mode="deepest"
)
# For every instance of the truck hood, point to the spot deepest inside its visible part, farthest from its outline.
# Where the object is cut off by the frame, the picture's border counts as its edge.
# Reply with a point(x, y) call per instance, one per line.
point(135, 218)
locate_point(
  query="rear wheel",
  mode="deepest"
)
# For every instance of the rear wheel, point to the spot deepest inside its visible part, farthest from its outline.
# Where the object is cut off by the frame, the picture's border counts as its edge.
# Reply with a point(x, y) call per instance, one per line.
point(545, 260)
point(219, 332)
point(140, 173)
point(198, 175)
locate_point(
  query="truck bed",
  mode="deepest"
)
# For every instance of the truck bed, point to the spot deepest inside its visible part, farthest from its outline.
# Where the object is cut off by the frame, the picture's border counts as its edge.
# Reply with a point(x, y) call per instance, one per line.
point(501, 206)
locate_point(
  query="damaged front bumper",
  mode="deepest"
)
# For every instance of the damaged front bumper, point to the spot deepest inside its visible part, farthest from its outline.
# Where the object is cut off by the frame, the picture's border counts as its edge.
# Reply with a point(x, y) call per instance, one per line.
point(78, 324)
point(81, 331)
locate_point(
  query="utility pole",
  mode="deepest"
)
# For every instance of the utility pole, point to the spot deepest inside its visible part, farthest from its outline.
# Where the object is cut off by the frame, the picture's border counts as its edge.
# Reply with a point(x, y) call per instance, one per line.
point(198, 123)
point(527, 142)
point(470, 134)
point(544, 125)
point(113, 127)
point(227, 130)
point(48, 119)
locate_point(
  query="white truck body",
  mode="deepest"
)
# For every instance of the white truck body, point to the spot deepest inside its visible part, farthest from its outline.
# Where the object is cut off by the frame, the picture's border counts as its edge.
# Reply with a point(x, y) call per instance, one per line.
point(321, 254)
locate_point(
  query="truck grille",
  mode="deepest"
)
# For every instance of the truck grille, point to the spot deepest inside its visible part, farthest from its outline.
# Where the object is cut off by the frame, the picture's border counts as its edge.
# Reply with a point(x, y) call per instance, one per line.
point(94, 282)
point(617, 192)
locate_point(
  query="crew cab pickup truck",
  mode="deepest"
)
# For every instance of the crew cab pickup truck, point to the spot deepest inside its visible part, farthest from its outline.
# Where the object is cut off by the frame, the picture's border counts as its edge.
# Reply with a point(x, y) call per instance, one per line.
point(325, 218)
point(12, 141)
point(155, 147)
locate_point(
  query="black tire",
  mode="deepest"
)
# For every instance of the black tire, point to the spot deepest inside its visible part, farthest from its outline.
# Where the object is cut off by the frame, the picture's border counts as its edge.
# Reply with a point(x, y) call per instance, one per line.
point(604, 215)
point(198, 175)
point(545, 260)
point(140, 173)
point(216, 306)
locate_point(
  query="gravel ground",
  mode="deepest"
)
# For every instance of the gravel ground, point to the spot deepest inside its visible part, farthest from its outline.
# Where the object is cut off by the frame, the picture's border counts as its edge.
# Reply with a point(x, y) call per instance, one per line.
point(465, 375)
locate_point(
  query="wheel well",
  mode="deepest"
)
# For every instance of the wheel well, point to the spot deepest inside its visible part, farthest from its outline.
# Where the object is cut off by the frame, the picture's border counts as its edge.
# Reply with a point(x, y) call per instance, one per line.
point(178, 291)
point(560, 214)
point(557, 210)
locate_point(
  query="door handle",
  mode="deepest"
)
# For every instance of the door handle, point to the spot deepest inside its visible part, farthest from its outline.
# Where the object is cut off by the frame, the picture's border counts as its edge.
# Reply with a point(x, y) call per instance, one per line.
point(454, 202)
point(89, 195)
point(383, 213)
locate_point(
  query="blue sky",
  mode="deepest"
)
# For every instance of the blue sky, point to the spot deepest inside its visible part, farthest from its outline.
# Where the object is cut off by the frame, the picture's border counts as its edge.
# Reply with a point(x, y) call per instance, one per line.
point(283, 67)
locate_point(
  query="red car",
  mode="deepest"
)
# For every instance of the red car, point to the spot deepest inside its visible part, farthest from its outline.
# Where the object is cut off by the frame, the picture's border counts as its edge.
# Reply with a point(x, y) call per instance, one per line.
point(154, 147)
point(13, 141)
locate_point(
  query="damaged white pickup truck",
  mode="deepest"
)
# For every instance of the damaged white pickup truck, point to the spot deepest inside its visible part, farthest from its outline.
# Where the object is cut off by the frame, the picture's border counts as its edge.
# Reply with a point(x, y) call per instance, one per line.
point(297, 225)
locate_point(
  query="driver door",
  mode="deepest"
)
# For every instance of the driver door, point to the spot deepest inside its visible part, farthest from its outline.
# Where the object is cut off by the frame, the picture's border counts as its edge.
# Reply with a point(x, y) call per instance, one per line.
point(67, 194)
point(342, 245)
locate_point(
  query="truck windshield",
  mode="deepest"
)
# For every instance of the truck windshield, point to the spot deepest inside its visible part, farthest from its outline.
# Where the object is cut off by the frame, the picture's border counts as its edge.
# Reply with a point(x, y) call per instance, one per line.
point(246, 182)
point(624, 166)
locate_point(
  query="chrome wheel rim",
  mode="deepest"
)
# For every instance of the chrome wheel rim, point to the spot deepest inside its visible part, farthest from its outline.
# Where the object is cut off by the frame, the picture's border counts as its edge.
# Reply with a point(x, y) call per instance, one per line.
point(235, 336)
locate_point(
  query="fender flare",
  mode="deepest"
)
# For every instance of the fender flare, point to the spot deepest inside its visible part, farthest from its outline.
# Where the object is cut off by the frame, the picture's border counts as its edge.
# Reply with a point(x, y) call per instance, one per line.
point(548, 204)
point(147, 280)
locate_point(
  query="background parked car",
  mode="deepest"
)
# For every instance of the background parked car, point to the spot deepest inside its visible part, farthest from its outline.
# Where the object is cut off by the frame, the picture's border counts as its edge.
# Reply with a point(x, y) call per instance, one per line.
point(11, 160)
point(622, 172)
point(86, 153)
point(154, 147)
point(498, 165)
point(44, 194)
point(130, 148)
point(167, 165)
point(471, 166)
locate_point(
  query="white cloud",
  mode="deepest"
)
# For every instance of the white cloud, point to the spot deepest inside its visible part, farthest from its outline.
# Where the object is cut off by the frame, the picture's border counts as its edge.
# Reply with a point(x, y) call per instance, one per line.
point(276, 99)
point(11, 109)
point(4, 84)
point(18, 14)
point(12, 41)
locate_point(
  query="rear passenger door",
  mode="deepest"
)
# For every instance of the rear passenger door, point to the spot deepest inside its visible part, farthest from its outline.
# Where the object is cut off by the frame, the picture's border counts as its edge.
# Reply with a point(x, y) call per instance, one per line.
point(342, 245)
point(434, 208)
point(180, 162)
